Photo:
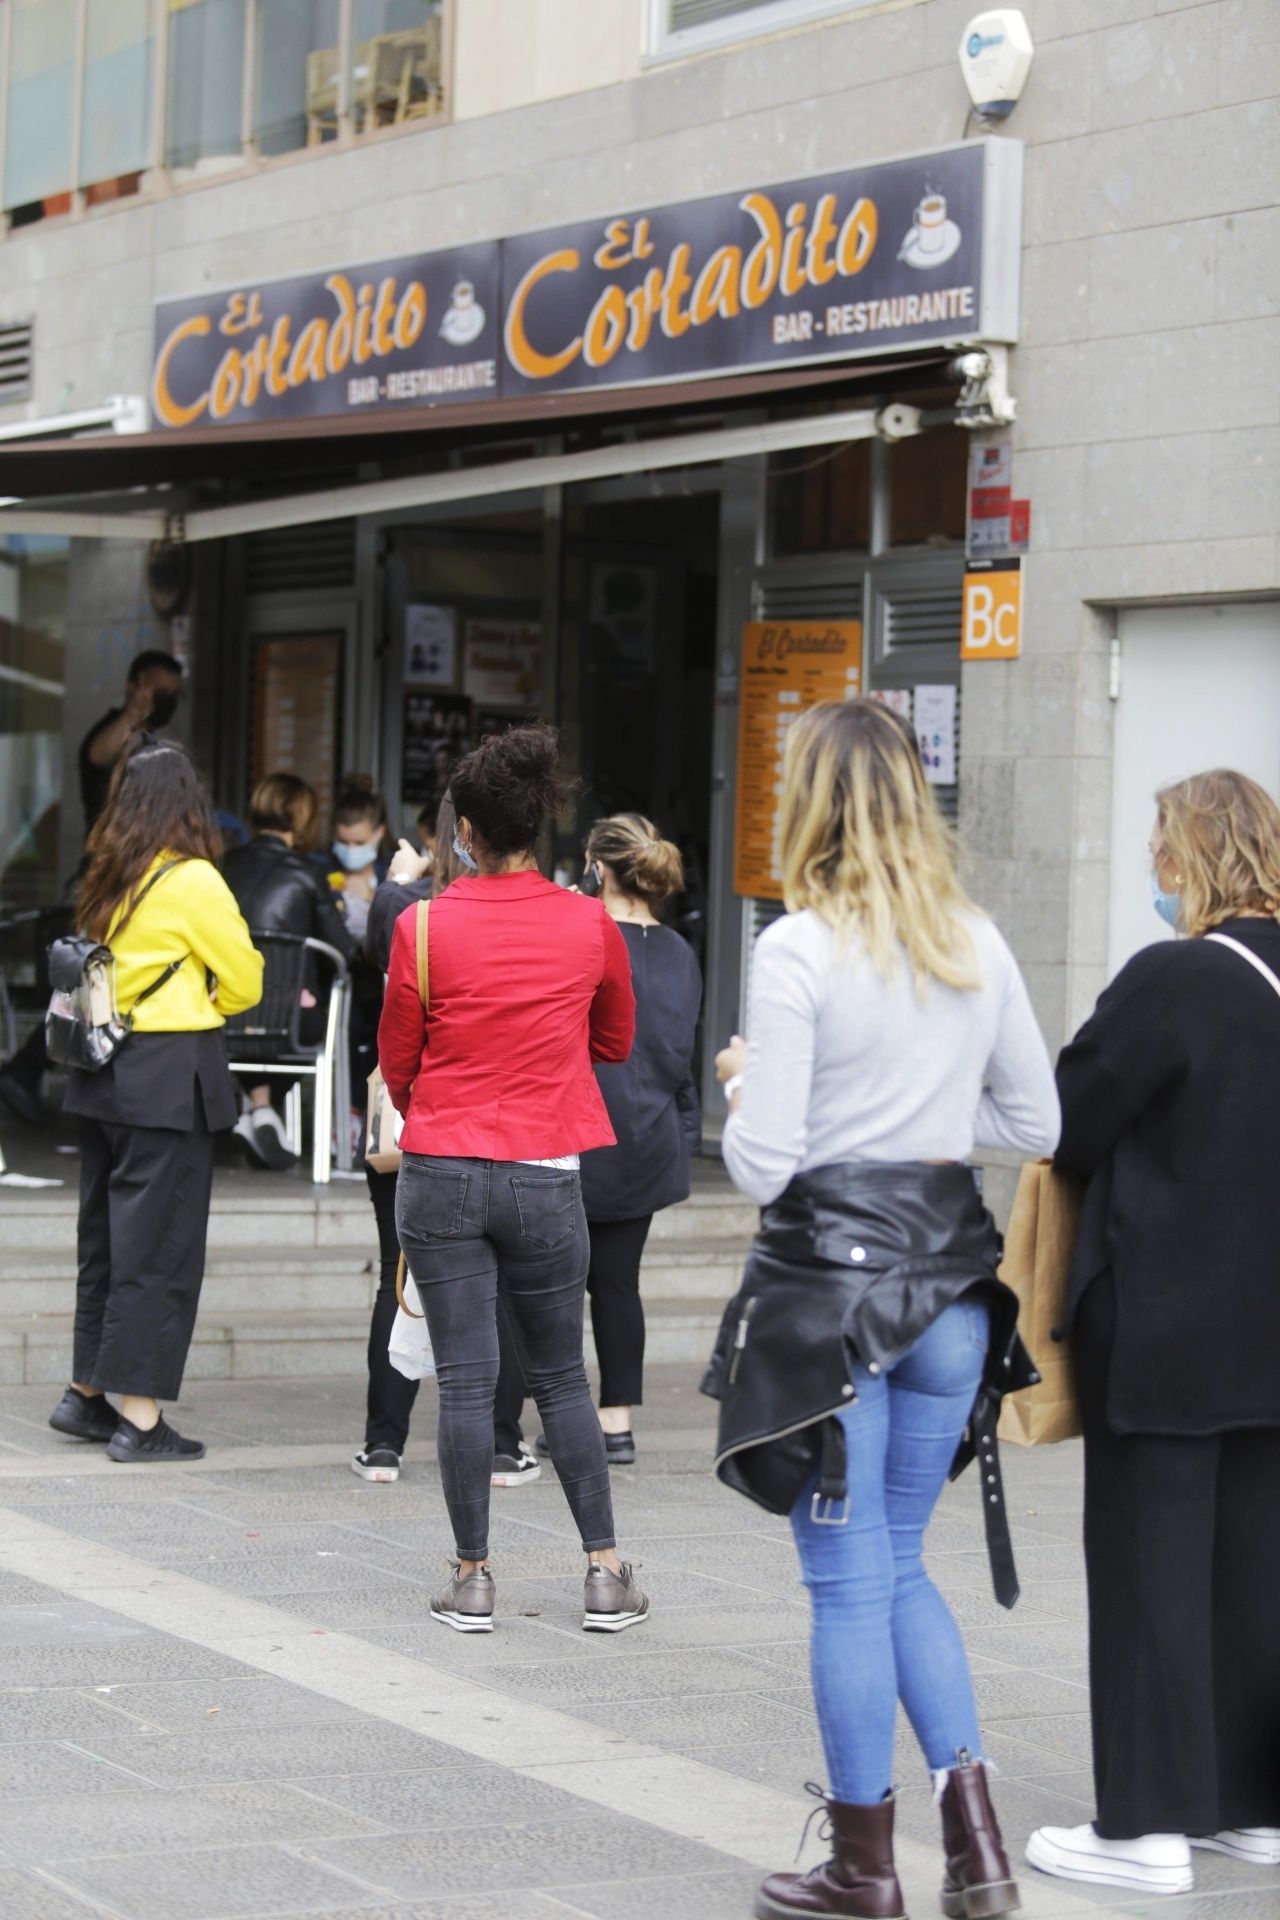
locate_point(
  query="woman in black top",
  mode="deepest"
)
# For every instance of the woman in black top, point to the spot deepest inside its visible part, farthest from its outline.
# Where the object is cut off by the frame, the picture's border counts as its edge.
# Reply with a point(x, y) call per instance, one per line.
point(1170, 1111)
point(279, 889)
point(652, 1102)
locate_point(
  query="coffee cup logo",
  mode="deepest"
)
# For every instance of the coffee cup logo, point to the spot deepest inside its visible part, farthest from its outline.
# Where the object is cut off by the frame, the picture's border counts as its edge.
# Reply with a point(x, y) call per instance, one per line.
point(464, 322)
point(933, 238)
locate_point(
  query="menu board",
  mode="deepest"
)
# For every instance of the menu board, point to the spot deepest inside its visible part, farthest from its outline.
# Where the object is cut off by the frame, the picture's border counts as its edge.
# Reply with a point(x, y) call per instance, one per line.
point(787, 666)
point(296, 680)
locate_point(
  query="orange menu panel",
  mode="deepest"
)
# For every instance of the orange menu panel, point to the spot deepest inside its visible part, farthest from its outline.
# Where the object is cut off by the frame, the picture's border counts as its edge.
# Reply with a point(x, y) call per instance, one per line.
point(787, 665)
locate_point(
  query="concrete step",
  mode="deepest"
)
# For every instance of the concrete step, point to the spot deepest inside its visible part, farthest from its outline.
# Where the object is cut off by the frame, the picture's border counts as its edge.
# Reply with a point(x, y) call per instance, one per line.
point(295, 1215)
point(260, 1345)
point(289, 1279)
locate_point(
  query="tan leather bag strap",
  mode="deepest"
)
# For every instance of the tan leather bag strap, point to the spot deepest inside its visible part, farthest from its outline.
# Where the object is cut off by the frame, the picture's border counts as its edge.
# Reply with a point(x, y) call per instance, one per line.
point(421, 930)
point(400, 1273)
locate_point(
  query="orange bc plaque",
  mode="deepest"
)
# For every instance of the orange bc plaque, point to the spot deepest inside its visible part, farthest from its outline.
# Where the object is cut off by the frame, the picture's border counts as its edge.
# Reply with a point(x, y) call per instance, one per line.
point(787, 665)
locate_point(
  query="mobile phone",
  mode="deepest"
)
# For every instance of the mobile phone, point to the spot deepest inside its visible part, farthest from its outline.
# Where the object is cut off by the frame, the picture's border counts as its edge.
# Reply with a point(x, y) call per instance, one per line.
point(590, 882)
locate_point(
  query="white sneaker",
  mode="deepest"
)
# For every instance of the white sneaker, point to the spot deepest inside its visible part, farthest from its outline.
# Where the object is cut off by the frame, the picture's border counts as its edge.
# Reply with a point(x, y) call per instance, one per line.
point(263, 1134)
point(1256, 1846)
point(1156, 1862)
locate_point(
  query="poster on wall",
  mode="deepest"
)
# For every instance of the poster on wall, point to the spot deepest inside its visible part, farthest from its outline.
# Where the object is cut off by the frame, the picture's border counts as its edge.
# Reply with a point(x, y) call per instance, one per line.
point(936, 732)
point(437, 733)
point(787, 666)
point(897, 699)
point(502, 662)
point(430, 646)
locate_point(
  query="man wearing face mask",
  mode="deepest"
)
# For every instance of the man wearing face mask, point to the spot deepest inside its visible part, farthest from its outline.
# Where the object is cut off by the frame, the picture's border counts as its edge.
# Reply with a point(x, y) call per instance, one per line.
point(150, 702)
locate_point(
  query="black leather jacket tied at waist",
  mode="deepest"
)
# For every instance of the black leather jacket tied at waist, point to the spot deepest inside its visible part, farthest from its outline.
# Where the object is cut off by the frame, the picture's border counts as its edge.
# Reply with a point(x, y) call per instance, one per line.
point(853, 1263)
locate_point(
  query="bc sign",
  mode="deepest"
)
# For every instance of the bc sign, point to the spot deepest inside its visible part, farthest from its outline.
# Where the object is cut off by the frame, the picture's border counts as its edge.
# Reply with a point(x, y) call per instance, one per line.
point(991, 628)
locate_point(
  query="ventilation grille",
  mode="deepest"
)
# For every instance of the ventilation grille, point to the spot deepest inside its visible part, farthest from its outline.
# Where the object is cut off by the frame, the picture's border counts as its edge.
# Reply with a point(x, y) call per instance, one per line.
point(812, 600)
point(920, 619)
point(302, 559)
point(17, 346)
point(704, 13)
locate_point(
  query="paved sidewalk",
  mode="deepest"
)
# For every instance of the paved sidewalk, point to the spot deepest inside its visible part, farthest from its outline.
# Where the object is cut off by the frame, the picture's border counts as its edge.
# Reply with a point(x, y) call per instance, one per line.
point(221, 1695)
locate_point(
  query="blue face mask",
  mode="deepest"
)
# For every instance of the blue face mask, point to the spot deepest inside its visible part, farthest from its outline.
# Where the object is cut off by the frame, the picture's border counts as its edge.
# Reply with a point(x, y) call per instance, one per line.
point(472, 866)
point(1167, 905)
point(355, 859)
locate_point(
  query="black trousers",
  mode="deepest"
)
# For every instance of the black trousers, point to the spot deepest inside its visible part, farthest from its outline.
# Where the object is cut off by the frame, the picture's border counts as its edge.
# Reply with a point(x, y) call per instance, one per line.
point(391, 1396)
point(617, 1317)
point(1182, 1552)
point(144, 1219)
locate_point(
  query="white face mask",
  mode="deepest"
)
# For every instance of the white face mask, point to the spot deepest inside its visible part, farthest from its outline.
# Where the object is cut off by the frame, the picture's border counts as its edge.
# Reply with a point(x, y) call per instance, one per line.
point(355, 859)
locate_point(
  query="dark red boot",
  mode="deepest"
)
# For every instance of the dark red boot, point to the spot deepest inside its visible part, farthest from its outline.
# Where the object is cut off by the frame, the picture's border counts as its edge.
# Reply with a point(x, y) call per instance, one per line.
point(857, 1883)
point(978, 1882)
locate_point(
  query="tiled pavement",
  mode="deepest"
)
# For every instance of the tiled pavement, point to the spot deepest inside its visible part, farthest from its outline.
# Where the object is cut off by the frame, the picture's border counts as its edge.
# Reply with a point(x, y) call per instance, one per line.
point(220, 1694)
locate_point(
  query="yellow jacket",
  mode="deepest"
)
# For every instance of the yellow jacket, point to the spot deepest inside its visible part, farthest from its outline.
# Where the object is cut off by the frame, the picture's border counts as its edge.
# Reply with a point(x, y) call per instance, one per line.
point(189, 915)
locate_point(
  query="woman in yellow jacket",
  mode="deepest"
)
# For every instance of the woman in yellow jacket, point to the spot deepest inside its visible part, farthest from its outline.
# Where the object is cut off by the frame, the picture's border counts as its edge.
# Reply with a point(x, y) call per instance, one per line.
point(153, 894)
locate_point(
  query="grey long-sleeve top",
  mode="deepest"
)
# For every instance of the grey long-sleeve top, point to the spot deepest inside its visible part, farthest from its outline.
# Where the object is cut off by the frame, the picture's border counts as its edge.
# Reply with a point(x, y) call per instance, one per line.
point(846, 1064)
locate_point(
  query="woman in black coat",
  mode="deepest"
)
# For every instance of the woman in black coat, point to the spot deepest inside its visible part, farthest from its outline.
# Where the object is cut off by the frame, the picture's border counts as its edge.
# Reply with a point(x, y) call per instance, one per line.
point(1170, 1111)
point(279, 889)
point(653, 1107)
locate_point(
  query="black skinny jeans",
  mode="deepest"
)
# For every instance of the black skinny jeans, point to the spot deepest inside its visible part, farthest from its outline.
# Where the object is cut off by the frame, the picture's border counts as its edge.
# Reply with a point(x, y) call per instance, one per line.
point(476, 1231)
point(391, 1396)
point(617, 1316)
point(1182, 1552)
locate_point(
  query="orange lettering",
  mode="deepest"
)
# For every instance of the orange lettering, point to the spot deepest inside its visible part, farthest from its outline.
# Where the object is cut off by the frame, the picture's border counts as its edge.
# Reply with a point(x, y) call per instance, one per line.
point(342, 334)
point(794, 278)
point(822, 236)
point(306, 362)
point(384, 318)
point(675, 319)
point(605, 328)
point(764, 262)
point(614, 250)
point(858, 237)
point(226, 384)
point(521, 352)
point(364, 324)
point(166, 407)
point(642, 303)
point(278, 357)
point(411, 315)
point(716, 288)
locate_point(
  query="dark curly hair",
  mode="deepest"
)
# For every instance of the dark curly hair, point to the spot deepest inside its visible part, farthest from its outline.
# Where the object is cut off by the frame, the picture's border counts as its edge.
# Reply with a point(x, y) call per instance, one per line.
point(508, 787)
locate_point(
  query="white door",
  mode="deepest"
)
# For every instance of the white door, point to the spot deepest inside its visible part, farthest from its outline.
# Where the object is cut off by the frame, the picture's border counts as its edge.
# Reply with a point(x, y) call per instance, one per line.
point(1199, 688)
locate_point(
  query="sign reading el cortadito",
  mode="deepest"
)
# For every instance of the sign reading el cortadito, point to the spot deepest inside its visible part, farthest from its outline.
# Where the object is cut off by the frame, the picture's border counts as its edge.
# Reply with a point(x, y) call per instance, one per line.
point(787, 667)
point(901, 254)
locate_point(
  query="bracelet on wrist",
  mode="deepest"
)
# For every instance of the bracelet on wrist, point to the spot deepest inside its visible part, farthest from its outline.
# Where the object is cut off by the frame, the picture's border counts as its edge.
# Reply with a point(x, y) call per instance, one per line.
point(731, 1086)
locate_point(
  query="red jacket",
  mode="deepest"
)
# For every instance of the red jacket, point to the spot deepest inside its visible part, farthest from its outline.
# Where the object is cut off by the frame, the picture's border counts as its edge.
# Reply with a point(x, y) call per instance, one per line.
point(529, 984)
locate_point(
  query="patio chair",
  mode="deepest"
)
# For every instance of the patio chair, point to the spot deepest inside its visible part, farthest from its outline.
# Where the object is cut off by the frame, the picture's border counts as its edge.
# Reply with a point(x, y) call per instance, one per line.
point(268, 1041)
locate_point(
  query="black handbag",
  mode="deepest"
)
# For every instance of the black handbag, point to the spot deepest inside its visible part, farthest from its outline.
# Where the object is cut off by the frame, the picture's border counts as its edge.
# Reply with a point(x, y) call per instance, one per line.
point(83, 1027)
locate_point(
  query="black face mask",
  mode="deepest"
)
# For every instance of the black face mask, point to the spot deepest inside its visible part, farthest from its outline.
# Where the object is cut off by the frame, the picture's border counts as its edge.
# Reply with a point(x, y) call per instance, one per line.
point(163, 708)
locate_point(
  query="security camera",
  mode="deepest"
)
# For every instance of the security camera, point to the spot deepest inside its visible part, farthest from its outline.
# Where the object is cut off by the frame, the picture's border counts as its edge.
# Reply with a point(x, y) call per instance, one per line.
point(995, 58)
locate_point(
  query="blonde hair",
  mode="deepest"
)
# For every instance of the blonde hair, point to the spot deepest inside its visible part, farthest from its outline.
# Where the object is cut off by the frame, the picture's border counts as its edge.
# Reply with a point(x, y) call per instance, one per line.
point(1221, 832)
point(283, 803)
point(864, 846)
point(647, 867)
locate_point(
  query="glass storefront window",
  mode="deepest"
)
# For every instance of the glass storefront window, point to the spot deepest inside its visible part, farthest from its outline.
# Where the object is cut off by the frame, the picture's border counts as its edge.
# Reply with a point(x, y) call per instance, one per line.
point(33, 634)
point(927, 483)
point(205, 83)
point(821, 502)
point(397, 62)
point(115, 120)
point(297, 62)
point(40, 106)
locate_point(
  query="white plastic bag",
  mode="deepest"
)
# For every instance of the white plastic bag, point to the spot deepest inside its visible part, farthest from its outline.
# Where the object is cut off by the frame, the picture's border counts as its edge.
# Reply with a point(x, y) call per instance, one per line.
point(409, 1348)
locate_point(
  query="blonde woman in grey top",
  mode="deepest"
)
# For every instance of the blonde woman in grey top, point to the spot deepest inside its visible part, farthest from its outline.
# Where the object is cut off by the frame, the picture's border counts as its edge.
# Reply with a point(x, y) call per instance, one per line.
point(889, 1031)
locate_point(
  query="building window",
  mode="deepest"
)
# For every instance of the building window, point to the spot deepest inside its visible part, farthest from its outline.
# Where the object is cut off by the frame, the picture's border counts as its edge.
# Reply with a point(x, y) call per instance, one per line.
point(928, 480)
point(204, 84)
point(83, 82)
point(115, 112)
point(820, 502)
point(677, 27)
point(40, 107)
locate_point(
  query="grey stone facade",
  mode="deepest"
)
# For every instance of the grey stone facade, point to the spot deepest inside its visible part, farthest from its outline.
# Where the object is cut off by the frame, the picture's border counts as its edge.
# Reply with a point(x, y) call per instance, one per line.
point(1147, 377)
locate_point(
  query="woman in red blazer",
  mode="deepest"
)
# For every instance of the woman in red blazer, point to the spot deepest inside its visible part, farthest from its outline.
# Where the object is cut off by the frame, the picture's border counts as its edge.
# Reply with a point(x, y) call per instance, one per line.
point(529, 987)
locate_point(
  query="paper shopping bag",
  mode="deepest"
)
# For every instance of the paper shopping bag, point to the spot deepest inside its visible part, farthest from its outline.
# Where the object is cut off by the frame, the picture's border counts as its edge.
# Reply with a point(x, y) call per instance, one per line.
point(1036, 1267)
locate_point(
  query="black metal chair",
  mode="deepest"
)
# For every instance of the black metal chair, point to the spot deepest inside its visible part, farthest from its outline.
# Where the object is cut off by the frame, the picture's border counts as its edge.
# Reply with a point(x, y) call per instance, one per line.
point(268, 1040)
point(25, 937)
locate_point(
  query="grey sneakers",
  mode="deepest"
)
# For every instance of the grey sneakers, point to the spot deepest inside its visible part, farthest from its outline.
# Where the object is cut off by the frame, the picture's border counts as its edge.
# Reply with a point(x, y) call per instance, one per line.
point(466, 1604)
point(612, 1601)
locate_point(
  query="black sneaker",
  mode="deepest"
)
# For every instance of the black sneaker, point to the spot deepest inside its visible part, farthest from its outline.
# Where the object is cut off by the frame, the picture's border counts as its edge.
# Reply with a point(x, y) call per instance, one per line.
point(261, 1132)
point(620, 1449)
point(515, 1469)
point(84, 1416)
point(380, 1464)
point(131, 1446)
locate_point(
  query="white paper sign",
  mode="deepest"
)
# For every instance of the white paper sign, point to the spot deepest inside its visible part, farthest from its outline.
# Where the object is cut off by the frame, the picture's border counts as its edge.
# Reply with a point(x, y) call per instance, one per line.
point(898, 699)
point(936, 731)
point(430, 646)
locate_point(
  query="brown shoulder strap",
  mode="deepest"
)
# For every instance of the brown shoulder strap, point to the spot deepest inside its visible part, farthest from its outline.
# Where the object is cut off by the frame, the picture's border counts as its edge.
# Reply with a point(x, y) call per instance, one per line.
point(421, 930)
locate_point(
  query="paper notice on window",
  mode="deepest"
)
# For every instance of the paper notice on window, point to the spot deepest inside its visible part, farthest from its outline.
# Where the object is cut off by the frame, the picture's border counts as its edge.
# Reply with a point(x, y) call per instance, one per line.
point(430, 646)
point(935, 717)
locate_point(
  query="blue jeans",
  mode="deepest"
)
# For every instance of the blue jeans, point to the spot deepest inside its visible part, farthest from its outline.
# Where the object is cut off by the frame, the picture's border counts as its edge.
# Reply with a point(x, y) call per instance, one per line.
point(881, 1630)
